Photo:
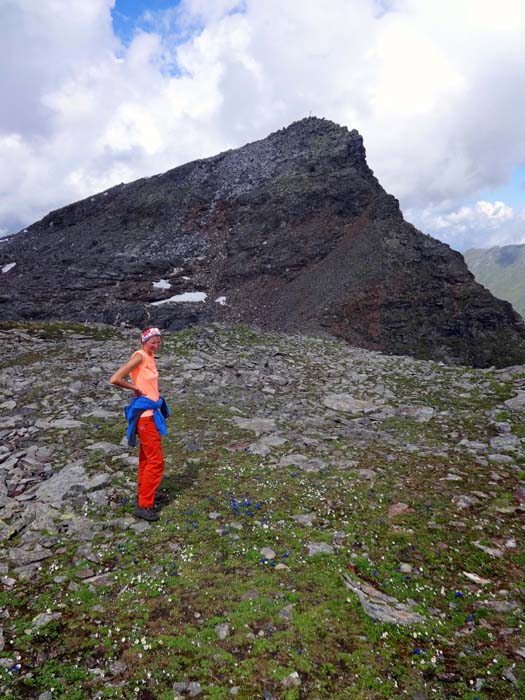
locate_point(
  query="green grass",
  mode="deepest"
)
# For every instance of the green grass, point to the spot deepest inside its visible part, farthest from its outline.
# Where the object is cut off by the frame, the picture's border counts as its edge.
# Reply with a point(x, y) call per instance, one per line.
point(153, 622)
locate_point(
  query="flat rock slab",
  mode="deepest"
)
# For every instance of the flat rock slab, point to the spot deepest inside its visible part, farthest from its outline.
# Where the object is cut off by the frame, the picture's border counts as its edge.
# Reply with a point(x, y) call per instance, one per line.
point(66, 423)
point(303, 462)
point(474, 445)
point(463, 501)
point(319, 548)
point(368, 474)
point(348, 404)
point(306, 519)
point(500, 606)
point(21, 556)
point(500, 459)
point(69, 481)
point(258, 425)
point(399, 509)
point(44, 619)
point(421, 414)
point(517, 403)
point(509, 443)
point(264, 446)
point(382, 607)
point(99, 413)
point(476, 578)
point(295, 460)
point(99, 481)
point(191, 690)
point(491, 551)
point(106, 447)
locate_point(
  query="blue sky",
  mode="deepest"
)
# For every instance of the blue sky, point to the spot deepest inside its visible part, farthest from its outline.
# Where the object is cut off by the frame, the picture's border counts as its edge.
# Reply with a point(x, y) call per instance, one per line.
point(512, 192)
point(130, 88)
point(128, 15)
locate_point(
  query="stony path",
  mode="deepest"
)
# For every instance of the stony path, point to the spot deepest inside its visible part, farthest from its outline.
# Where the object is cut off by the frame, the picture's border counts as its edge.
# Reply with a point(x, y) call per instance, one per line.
point(406, 478)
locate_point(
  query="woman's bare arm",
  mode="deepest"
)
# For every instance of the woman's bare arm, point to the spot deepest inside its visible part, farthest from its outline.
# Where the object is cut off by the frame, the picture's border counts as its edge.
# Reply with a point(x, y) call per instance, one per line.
point(119, 378)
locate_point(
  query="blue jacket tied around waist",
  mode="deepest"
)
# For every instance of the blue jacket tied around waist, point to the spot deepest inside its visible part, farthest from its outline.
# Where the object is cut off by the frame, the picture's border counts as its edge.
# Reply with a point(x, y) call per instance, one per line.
point(137, 407)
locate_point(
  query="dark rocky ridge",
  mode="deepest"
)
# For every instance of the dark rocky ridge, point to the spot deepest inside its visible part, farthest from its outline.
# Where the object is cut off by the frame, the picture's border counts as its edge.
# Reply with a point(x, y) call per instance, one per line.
point(294, 230)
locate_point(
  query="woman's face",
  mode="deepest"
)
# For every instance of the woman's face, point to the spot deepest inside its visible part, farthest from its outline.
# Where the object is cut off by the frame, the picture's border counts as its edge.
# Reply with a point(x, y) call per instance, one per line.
point(152, 345)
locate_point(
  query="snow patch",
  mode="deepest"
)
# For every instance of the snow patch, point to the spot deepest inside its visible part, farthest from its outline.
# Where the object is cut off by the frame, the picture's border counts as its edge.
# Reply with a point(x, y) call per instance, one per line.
point(162, 284)
point(187, 296)
point(8, 267)
point(221, 301)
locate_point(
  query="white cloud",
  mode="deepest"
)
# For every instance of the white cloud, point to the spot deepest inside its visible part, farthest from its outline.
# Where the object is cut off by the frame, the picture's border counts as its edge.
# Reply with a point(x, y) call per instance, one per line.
point(486, 214)
point(434, 88)
point(482, 224)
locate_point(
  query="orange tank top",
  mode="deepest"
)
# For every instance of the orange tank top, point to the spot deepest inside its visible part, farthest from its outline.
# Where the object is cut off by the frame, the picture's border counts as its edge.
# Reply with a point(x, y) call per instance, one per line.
point(146, 378)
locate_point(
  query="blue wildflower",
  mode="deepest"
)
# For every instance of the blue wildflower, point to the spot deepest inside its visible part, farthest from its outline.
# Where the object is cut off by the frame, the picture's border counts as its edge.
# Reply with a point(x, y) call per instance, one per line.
point(458, 594)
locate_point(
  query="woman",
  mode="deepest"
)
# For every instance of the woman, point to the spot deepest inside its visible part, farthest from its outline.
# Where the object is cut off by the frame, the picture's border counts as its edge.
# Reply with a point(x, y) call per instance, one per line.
point(145, 416)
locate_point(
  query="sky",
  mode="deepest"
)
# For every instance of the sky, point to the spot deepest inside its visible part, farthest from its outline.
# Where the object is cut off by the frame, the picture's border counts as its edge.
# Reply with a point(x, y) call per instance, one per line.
point(106, 91)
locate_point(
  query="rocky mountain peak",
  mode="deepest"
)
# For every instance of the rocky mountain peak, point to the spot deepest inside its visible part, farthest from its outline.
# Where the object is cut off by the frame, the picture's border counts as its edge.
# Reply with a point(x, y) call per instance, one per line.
point(292, 232)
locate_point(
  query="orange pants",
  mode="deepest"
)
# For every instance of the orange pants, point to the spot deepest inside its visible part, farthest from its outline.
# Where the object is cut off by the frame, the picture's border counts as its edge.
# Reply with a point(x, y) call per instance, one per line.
point(151, 461)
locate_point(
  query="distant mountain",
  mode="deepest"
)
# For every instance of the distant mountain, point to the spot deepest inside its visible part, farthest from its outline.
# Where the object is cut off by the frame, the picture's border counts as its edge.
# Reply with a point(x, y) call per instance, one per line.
point(292, 232)
point(502, 271)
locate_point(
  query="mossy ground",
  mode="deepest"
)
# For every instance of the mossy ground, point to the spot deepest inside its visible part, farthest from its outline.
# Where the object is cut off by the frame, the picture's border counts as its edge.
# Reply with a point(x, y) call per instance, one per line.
point(170, 586)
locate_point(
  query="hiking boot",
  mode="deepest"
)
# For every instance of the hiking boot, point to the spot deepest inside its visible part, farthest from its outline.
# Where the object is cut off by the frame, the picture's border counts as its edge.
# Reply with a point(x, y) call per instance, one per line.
point(161, 499)
point(146, 514)
point(158, 504)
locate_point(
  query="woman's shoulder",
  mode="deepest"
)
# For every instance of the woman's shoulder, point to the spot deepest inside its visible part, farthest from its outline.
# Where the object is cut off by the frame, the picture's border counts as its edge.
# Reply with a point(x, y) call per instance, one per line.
point(138, 354)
